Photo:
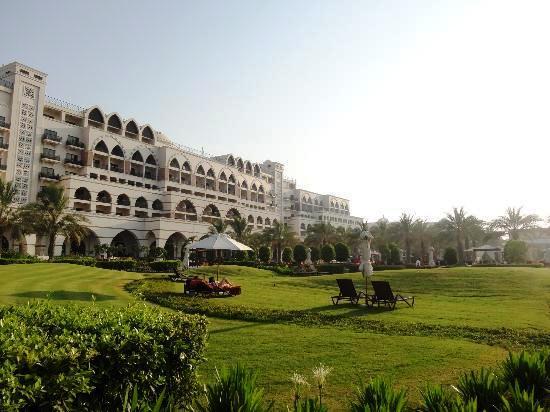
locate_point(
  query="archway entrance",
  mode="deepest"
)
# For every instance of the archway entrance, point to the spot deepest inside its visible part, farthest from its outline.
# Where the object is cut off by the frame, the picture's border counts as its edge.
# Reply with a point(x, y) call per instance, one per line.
point(125, 244)
point(174, 245)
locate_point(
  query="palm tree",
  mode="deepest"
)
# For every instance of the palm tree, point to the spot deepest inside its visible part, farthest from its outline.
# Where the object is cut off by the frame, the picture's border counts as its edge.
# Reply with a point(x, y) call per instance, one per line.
point(406, 223)
point(240, 229)
point(8, 214)
point(513, 222)
point(456, 223)
point(218, 226)
point(320, 234)
point(421, 234)
point(280, 236)
point(49, 217)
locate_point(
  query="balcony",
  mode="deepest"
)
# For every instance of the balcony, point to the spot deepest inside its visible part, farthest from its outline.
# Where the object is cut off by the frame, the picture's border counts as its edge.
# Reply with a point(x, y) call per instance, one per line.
point(74, 142)
point(97, 125)
point(73, 162)
point(3, 167)
point(50, 177)
point(3, 146)
point(4, 125)
point(50, 158)
point(51, 137)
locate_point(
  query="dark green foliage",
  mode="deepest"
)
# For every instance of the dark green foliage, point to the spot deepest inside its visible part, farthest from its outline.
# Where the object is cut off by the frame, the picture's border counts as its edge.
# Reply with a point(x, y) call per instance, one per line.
point(315, 253)
point(122, 264)
point(450, 256)
point(84, 358)
point(327, 253)
point(281, 270)
point(483, 386)
point(287, 255)
point(337, 268)
point(395, 254)
point(438, 399)
point(136, 404)
point(264, 254)
point(157, 253)
point(521, 401)
point(241, 255)
point(342, 252)
point(235, 390)
point(252, 255)
point(385, 253)
point(299, 253)
point(528, 370)
point(12, 261)
point(76, 260)
point(165, 265)
point(515, 251)
point(310, 405)
point(388, 267)
point(378, 396)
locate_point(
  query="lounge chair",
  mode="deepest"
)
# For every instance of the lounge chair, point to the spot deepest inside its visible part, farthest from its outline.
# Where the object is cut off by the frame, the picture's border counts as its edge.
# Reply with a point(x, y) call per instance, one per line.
point(384, 295)
point(347, 292)
point(202, 288)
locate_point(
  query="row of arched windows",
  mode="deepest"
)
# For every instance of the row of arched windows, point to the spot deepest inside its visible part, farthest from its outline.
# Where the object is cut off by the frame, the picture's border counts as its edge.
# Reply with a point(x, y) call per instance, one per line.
point(244, 166)
point(115, 125)
point(118, 152)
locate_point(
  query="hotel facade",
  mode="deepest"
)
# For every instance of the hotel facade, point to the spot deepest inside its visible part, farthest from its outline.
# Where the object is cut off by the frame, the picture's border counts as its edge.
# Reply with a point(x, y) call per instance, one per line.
point(136, 187)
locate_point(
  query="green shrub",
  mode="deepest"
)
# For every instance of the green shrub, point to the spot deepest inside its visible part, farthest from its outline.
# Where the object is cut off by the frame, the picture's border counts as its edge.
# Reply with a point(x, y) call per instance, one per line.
point(332, 268)
point(341, 252)
point(241, 255)
point(122, 264)
point(385, 253)
point(521, 401)
point(157, 253)
point(12, 261)
point(264, 254)
point(234, 390)
point(327, 253)
point(450, 256)
point(165, 265)
point(287, 255)
point(395, 254)
point(84, 358)
point(252, 255)
point(299, 253)
point(438, 399)
point(310, 405)
point(137, 404)
point(527, 370)
point(388, 267)
point(515, 251)
point(315, 254)
point(482, 386)
point(75, 260)
point(378, 396)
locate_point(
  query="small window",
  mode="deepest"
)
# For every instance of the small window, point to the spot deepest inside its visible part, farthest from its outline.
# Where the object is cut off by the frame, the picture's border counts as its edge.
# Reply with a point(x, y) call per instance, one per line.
point(37, 77)
point(26, 73)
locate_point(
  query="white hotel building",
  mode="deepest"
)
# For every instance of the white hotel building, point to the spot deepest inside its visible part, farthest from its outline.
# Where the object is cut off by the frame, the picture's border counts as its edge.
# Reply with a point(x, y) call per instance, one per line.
point(134, 184)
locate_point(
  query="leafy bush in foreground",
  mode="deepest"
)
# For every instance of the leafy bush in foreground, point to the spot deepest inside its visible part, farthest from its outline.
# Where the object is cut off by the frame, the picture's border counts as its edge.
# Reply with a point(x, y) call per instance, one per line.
point(379, 395)
point(84, 358)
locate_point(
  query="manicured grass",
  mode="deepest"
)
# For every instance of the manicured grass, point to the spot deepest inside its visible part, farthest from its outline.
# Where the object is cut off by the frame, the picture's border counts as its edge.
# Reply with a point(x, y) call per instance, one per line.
point(480, 297)
point(514, 298)
point(62, 282)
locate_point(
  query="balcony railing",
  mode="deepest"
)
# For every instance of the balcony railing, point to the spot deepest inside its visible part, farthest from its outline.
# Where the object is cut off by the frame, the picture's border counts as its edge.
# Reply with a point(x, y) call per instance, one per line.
point(50, 157)
point(97, 125)
point(51, 176)
point(3, 167)
point(52, 137)
point(74, 141)
point(4, 124)
point(76, 162)
point(134, 173)
point(4, 145)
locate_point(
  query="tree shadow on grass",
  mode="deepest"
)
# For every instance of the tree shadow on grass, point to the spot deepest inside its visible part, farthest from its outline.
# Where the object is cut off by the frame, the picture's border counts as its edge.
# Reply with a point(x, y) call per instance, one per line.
point(348, 310)
point(233, 328)
point(64, 295)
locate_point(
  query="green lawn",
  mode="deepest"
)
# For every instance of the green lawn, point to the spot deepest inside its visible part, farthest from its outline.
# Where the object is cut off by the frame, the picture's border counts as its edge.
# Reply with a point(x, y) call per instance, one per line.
point(485, 297)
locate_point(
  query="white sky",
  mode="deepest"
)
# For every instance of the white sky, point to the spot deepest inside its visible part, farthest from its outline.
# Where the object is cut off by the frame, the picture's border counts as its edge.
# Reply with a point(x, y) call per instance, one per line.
point(413, 106)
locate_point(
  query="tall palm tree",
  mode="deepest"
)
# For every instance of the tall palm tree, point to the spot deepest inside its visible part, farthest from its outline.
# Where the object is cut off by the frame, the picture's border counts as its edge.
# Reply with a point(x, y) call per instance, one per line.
point(456, 223)
point(49, 216)
point(512, 223)
point(422, 236)
point(240, 228)
point(320, 234)
point(406, 222)
point(8, 214)
point(280, 236)
point(474, 231)
point(218, 226)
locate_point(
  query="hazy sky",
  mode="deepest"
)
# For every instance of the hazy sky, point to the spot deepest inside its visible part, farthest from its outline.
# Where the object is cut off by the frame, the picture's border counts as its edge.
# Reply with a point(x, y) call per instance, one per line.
point(413, 106)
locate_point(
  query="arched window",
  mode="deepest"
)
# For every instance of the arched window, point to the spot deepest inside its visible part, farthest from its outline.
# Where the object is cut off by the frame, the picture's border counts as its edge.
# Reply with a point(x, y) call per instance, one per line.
point(117, 151)
point(223, 177)
point(261, 189)
point(232, 179)
point(250, 219)
point(137, 157)
point(232, 213)
point(186, 166)
point(316, 202)
point(82, 194)
point(248, 167)
point(147, 133)
point(96, 116)
point(132, 129)
point(267, 221)
point(240, 164)
point(186, 206)
point(141, 203)
point(101, 147)
point(151, 160)
point(303, 226)
point(304, 200)
point(259, 221)
point(244, 185)
point(211, 210)
point(114, 122)
point(103, 197)
point(275, 221)
point(157, 205)
point(123, 200)
point(174, 163)
point(254, 187)
point(231, 160)
point(200, 170)
point(257, 170)
point(210, 173)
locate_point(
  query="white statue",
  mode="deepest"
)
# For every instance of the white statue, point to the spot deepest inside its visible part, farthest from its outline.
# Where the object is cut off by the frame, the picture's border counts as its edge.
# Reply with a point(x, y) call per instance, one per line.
point(431, 261)
point(308, 257)
point(365, 267)
point(185, 260)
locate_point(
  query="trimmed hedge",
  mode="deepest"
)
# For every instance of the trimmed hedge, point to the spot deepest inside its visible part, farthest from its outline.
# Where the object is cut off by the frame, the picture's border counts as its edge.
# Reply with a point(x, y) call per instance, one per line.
point(126, 264)
point(281, 270)
point(15, 261)
point(69, 357)
point(164, 265)
point(337, 268)
point(76, 260)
